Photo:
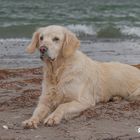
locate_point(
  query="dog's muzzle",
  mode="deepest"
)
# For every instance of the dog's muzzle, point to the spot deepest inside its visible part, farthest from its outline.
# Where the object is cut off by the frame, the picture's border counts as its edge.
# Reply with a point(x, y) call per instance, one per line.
point(44, 53)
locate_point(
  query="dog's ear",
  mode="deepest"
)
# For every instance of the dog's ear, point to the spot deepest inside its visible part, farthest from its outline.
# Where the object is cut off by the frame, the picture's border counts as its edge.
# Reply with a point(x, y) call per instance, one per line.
point(34, 42)
point(70, 44)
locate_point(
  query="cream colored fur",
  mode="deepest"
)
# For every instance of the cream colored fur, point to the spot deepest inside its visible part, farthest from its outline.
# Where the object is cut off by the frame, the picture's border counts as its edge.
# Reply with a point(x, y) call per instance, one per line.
point(72, 82)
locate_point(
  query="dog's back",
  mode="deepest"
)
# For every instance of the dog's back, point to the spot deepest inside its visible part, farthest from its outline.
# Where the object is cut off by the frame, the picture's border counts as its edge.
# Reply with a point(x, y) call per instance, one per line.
point(109, 79)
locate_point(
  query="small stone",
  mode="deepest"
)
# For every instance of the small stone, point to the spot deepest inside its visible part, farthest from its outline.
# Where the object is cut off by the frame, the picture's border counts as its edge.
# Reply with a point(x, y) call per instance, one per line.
point(38, 136)
point(5, 127)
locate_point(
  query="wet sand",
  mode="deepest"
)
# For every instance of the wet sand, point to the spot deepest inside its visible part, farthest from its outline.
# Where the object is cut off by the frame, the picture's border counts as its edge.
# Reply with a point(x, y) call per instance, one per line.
point(21, 87)
point(13, 55)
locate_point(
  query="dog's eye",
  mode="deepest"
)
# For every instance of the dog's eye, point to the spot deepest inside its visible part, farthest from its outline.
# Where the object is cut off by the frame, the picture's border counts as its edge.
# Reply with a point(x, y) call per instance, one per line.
point(55, 39)
point(41, 38)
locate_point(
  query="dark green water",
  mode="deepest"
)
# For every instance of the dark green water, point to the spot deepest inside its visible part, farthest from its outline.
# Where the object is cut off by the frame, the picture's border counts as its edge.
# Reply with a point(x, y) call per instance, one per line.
point(101, 18)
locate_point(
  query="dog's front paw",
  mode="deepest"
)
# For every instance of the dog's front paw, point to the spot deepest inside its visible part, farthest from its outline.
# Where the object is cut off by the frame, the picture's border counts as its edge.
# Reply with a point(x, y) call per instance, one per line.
point(52, 120)
point(31, 123)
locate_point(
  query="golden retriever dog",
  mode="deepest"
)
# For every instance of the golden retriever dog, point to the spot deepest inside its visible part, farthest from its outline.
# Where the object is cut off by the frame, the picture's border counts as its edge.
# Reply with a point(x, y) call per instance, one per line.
point(72, 82)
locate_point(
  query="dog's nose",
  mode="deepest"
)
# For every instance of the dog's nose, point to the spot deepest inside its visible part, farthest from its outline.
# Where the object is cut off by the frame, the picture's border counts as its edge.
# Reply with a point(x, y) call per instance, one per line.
point(43, 49)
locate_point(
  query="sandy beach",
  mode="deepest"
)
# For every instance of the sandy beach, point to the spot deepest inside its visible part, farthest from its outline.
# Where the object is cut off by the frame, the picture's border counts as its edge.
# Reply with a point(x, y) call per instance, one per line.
point(20, 87)
point(109, 30)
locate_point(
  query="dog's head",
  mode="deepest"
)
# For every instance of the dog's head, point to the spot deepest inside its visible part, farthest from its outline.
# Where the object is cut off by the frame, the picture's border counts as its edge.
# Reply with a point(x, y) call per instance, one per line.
point(53, 41)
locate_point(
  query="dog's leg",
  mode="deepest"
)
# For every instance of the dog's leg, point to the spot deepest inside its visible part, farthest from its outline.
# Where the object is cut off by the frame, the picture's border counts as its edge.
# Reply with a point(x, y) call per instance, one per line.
point(40, 112)
point(45, 105)
point(62, 110)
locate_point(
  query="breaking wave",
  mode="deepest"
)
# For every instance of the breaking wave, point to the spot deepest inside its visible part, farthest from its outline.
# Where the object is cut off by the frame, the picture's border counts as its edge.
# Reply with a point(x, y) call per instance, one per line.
point(107, 31)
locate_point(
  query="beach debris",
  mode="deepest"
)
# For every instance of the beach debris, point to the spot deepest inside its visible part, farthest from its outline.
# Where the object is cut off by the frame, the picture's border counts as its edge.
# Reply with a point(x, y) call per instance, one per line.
point(38, 136)
point(5, 127)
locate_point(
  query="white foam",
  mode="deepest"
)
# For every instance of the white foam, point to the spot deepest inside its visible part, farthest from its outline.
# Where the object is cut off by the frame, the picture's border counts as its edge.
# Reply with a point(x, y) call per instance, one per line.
point(14, 39)
point(82, 29)
point(135, 31)
point(11, 24)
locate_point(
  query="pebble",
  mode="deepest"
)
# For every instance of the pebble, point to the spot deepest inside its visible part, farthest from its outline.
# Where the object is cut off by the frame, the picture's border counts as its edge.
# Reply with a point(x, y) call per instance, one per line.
point(5, 127)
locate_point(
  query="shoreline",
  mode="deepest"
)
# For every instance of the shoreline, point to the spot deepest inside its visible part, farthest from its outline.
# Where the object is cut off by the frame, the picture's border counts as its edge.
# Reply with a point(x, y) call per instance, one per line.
point(13, 55)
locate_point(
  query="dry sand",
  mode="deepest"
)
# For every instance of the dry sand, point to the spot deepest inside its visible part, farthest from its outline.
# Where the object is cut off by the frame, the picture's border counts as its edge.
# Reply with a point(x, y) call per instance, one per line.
point(19, 91)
